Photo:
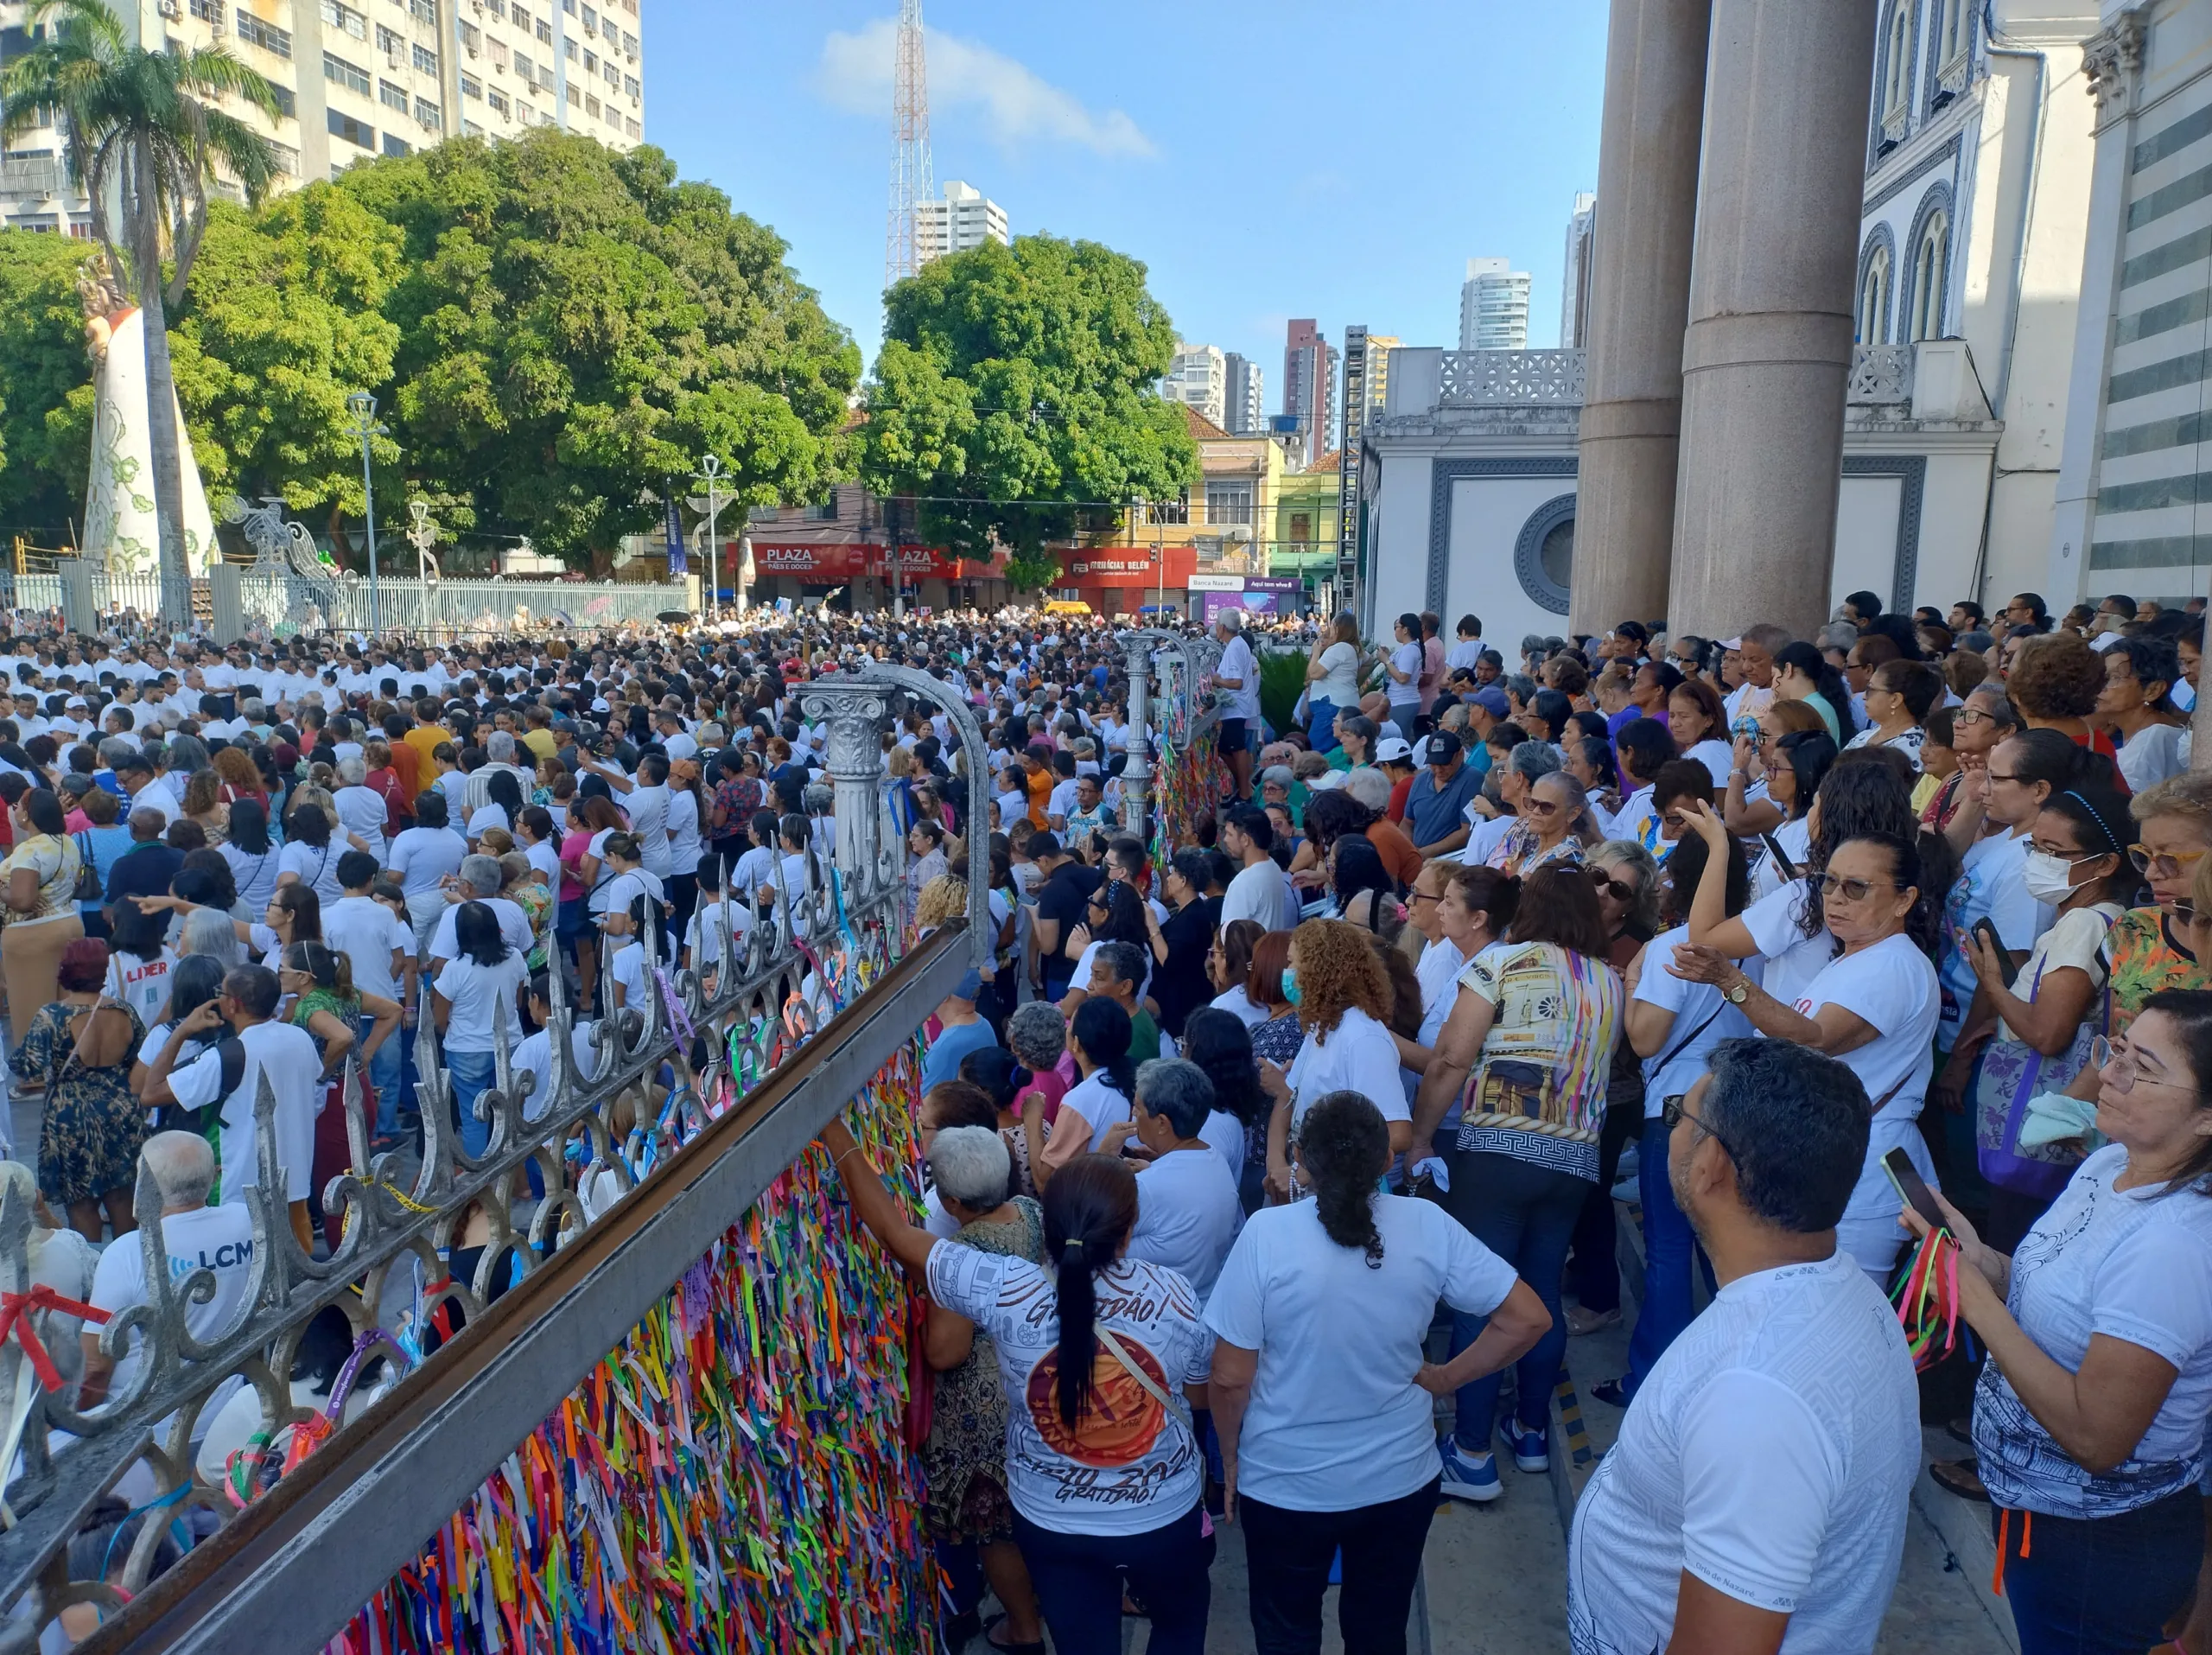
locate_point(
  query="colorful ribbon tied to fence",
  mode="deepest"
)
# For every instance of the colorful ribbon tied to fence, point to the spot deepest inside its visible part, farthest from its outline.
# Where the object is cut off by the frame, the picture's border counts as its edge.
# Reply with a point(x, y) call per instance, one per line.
point(734, 1477)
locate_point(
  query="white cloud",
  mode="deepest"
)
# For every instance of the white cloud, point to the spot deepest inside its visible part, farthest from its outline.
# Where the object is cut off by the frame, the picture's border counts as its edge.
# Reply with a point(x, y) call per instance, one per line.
point(1019, 106)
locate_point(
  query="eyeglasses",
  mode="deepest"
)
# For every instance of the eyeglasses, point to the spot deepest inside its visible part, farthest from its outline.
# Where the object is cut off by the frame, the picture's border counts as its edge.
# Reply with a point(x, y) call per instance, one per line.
point(1854, 891)
point(1672, 1114)
point(1543, 807)
point(1422, 896)
point(2162, 864)
point(1995, 776)
point(2129, 1072)
point(1608, 886)
point(1970, 715)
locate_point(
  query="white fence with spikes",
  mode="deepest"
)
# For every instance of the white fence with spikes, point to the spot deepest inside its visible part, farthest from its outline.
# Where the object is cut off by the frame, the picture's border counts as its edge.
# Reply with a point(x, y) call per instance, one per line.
point(768, 986)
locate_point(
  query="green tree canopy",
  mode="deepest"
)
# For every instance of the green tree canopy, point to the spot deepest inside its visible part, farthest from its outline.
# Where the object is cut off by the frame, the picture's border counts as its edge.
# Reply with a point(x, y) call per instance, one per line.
point(1023, 374)
point(577, 329)
point(282, 318)
point(46, 422)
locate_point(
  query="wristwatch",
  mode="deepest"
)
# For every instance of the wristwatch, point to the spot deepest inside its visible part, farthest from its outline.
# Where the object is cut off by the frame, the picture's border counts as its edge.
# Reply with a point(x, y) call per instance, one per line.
point(1738, 993)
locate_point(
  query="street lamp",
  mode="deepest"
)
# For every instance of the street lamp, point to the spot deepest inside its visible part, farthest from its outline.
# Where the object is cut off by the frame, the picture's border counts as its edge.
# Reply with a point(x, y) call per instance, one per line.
point(710, 473)
point(363, 407)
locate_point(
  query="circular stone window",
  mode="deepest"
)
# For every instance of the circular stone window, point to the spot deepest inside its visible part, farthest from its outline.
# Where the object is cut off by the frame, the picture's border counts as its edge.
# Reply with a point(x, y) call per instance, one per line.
point(1543, 556)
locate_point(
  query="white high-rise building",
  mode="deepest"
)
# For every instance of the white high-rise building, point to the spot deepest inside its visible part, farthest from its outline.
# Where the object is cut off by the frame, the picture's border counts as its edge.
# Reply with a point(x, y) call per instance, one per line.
point(964, 217)
point(1247, 396)
point(1494, 307)
point(351, 84)
point(1198, 375)
point(1574, 285)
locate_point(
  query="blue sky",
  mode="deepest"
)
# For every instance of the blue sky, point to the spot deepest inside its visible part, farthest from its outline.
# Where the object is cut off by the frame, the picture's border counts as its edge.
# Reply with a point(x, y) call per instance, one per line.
point(1264, 160)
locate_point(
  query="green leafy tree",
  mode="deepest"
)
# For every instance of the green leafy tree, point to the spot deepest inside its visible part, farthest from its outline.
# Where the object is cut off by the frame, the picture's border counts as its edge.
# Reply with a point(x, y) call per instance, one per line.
point(46, 423)
point(1010, 376)
point(282, 318)
point(577, 329)
point(147, 129)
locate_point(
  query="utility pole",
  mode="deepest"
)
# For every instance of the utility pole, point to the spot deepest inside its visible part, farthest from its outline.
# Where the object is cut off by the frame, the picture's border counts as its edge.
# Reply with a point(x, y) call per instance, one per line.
point(363, 407)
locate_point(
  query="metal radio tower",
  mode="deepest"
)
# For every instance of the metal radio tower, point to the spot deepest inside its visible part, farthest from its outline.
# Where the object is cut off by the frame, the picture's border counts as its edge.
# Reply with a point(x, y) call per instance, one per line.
point(910, 183)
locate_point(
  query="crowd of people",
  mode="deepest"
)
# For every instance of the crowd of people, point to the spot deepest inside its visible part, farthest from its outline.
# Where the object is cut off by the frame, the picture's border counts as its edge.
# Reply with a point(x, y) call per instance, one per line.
point(1271, 1170)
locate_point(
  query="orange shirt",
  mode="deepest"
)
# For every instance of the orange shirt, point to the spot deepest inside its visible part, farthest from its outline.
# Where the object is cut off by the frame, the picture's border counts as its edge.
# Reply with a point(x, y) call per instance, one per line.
point(1400, 859)
point(1040, 796)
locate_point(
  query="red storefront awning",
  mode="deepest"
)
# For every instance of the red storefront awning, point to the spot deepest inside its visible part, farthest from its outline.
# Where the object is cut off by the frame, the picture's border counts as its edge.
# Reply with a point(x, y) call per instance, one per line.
point(1129, 569)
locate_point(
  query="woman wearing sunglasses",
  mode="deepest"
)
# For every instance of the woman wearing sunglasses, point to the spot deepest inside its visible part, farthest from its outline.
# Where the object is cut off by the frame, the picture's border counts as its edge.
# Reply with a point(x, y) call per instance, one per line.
point(2150, 948)
point(2089, 1419)
point(1874, 1005)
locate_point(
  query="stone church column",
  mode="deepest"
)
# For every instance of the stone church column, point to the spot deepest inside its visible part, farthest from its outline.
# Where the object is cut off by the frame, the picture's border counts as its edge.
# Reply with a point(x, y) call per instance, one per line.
point(1769, 346)
point(1639, 304)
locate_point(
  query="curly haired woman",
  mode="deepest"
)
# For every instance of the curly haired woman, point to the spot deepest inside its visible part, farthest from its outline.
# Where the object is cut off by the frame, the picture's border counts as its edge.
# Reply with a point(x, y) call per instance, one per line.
point(1343, 1000)
point(2056, 681)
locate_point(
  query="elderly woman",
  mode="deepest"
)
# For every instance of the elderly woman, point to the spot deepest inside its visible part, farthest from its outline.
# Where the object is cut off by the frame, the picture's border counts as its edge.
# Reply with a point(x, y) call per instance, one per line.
point(1530, 1043)
point(2089, 1420)
point(926, 859)
point(2148, 948)
point(1554, 825)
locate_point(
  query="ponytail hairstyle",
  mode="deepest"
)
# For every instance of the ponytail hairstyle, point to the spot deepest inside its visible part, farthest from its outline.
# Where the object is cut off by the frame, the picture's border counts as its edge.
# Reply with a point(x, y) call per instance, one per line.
point(1090, 1206)
point(1829, 683)
point(1102, 1029)
point(329, 968)
point(1923, 924)
point(1344, 1147)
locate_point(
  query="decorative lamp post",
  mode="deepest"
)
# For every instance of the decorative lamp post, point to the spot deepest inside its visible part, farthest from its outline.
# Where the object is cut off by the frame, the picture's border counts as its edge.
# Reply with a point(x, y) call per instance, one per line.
point(710, 473)
point(363, 407)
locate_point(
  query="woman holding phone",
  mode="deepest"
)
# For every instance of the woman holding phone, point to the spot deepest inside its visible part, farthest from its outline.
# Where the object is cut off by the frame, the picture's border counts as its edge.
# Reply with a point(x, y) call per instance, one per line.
point(2089, 1418)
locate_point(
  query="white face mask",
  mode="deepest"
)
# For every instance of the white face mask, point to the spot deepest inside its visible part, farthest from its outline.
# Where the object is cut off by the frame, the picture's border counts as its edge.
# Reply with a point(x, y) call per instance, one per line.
point(2048, 878)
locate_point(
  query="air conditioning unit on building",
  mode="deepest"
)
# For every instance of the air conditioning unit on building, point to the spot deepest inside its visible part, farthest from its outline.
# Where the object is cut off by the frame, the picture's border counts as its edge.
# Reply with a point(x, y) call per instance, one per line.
point(474, 51)
point(218, 29)
point(172, 10)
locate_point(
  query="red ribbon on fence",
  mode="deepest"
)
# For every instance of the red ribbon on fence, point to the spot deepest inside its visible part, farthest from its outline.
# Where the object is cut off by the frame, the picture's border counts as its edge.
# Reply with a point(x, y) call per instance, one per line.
point(15, 1317)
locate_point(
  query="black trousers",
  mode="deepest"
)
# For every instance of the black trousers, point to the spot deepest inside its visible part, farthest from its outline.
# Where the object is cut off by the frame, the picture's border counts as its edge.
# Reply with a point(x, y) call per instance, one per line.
point(1286, 1565)
point(1593, 1272)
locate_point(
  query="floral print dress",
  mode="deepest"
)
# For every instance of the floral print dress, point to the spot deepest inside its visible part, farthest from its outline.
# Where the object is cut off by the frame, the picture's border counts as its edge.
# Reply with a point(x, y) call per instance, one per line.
point(964, 1459)
point(91, 1128)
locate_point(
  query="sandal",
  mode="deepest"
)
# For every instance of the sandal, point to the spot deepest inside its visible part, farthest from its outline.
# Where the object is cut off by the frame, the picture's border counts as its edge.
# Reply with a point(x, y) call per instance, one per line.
point(1612, 1392)
point(998, 1619)
point(1958, 1477)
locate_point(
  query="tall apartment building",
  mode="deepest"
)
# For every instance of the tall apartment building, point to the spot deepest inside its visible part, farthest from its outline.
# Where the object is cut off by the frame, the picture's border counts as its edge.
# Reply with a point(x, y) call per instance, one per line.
point(1245, 395)
point(964, 217)
point(1198, 376)
point(1309, 390)
point(1574, 286)
point(1494, 307)
point(1379, 346)
point(360, 78)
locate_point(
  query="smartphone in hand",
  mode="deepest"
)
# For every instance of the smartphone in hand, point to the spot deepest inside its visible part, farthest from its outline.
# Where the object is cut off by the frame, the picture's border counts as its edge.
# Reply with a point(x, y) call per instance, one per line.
point(1913, 1188)
point(1987, 930)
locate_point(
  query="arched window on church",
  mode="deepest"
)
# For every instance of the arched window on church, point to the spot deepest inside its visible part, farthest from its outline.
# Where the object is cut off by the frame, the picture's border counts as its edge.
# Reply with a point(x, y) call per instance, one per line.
point(1952, 27)
point(1896, 68)
point(1874, 299)
point(1931, 257)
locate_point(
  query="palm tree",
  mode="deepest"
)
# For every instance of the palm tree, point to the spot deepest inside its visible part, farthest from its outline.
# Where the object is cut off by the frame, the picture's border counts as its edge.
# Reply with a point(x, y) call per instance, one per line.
point(143, 132)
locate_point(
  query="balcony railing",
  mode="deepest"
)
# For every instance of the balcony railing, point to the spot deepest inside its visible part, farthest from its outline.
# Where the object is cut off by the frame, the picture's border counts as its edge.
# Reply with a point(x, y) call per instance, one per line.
point(1881, 376)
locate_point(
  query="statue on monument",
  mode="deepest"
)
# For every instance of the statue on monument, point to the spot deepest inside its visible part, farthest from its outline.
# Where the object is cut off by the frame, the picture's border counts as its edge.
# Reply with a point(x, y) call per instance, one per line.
point(120, 533)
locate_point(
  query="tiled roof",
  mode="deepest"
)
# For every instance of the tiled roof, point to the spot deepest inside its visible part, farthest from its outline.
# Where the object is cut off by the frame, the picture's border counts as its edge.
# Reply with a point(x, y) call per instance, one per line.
point(1200, 427)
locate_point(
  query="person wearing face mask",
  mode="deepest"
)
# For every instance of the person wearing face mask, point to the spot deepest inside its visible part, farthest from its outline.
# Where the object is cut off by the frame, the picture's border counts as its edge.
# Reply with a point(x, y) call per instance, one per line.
point(2023, 771)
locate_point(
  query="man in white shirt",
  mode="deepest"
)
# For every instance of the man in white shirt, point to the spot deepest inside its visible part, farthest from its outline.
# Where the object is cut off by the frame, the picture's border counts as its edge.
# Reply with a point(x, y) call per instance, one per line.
point(285, 1055)
point(1259, 891)
point(195, 1237)
point(1758, 1491)
point(380, 950)
point(1187, 1211)
point(1239, 674)
point(479, 880)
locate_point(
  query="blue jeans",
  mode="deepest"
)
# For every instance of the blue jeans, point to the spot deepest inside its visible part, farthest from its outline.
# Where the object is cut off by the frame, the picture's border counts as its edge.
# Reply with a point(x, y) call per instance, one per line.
point(1321, 723)
point(1524, 1213)
point(384, 1070)
point(470, 1072)
point(1669, 1246)
point(2100, 1586)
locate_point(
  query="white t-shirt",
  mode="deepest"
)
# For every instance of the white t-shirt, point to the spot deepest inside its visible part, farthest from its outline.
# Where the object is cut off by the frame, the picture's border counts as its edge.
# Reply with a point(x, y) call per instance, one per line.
point(2132, 1265)
point(476, 992)
point(288, 1057)
point(1891, 986)
point(535, 1056)
point(1239, 1005)
point(1771, 1452)
point(487, 815)
point(360, 810)
point(1796, 839)
point(1356, 1055)
point(703, 936)
point(1339, 685)
point(1789, 959)
point(316, 866)
point(683, 844)
point(1238, 662)
point(141, 985)
point(422, 856)
point(1696, 1030)
point(1187, 1215)
point(1335, 1419)
point(1409, 659)
point(545, 858)
point(648, 809)
point(2151, 756)
point(1437, 973)
point(1259, 893)
point(215, 1238)
point(1225, 1135)
point(366, 932)
point(1096, 1101)
point(514, 928)
point(1128, 1466)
